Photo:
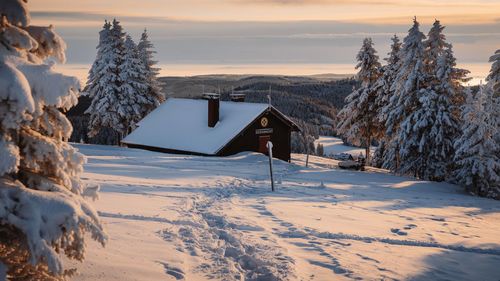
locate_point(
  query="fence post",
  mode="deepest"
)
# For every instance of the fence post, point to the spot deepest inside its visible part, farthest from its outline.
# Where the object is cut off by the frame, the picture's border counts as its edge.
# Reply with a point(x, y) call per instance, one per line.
point(270, 150)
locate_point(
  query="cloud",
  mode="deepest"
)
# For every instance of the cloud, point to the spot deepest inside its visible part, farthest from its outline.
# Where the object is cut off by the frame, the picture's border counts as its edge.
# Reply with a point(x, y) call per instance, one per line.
point(317, 2)
point(75, 18)
point(301, 41)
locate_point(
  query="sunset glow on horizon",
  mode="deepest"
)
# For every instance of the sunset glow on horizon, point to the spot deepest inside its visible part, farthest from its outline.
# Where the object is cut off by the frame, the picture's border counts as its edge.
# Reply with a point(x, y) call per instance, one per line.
point(358, 11)
point(272, 32)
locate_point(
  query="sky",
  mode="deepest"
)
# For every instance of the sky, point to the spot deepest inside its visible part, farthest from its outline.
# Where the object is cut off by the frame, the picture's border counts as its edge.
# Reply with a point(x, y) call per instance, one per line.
point(235, 34)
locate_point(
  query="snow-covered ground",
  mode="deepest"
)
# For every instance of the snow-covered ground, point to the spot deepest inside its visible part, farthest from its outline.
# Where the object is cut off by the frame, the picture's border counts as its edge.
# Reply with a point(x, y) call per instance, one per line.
point(175, 217)
point(334, 145)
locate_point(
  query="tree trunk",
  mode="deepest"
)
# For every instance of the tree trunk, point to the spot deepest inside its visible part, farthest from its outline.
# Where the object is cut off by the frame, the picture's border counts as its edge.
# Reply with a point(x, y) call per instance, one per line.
point(367, 149)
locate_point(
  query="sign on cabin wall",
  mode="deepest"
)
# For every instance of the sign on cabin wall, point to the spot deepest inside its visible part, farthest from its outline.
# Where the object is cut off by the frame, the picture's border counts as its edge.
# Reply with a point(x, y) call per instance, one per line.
point(264, 122)
point(264, 131)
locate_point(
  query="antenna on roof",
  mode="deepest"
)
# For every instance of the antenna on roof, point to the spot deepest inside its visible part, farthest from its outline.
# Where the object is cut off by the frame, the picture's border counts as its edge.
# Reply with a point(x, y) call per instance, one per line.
point(269, 96)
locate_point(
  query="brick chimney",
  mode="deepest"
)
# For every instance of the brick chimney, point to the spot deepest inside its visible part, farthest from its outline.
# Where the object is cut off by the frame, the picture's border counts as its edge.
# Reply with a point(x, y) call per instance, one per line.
point(213, 108)
point(237, 97)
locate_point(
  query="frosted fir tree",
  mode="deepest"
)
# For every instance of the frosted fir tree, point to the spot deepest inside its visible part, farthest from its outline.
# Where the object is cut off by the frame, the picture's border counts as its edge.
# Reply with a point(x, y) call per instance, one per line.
point(43, 213)
point(477, 159)
point(384, 93)
point(493, 78)
point(408, 87)
point(435, 48)
point(386, 80)
point(134, 87)
point(146, 54)
point(106, 110)
point(357, 118)
point(101, 63)
point(493, 85)
point(433, 127)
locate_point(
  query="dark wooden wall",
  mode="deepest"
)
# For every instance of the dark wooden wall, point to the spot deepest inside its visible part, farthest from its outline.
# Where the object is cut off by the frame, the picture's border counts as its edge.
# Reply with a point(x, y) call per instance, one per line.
point(248, 140)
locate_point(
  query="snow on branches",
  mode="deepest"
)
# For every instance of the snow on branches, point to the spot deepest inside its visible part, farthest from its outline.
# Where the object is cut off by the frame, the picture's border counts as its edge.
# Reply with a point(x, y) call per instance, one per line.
point(43, 213)
point(358, 117)
point(477, 151)
point(146, 53)
point(424, 125)
point(122, 81)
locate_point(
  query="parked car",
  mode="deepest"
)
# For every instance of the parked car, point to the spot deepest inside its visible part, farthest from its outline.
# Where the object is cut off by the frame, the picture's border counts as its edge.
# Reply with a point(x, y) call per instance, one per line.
point(359, 164)
point(352, 165)
point(342, 156)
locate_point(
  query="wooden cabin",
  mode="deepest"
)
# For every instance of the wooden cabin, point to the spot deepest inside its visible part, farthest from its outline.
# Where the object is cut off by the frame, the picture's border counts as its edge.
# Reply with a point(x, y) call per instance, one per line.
point(213, 128)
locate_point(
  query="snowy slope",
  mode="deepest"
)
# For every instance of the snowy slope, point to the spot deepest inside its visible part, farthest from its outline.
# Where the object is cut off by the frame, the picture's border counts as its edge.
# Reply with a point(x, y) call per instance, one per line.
point(334, 145)
point(175, 217)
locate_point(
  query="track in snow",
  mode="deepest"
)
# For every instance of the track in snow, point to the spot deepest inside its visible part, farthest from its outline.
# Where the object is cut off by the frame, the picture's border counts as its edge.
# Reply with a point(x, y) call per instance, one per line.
point(233, 254)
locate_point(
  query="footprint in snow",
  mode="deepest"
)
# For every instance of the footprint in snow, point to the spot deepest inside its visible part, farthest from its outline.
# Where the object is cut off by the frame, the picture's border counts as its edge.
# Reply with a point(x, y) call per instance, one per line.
point(399, 232)
point(173, 271)
point(410, 226)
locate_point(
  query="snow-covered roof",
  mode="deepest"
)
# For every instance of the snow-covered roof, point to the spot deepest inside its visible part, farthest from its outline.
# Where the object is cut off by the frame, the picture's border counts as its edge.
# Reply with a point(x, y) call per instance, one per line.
point(182, 124)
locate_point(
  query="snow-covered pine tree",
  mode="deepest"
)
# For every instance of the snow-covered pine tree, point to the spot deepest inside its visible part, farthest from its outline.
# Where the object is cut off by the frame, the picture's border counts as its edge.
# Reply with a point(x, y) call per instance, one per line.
point(431, 128)
point(435, 47)
point(434, 128)
point(146, 54)
point(101, 62)
point(106, 110)
point(384, 93)
point(408, 87)
point(357, 118)
point(42, 210)
point(477, 159)
point(493, 80)
point(134, 87)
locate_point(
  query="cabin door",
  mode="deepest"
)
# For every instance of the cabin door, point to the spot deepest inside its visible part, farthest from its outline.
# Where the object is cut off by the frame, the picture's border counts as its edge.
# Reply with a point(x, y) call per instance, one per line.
point(263, 144)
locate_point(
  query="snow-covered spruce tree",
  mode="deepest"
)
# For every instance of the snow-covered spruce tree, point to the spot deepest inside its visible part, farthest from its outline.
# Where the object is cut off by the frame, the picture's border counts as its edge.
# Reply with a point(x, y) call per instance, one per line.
point(408, 87)
point(430, 127)
point(434, 128)
point(493, 108)
point(146, 54)
point(106, 109)
point(384, 93)
point(493, 80)
point(43, 214)
point(101, 63)
point(358, 117)
point(133, 89)
point(476, 156)
point(435, 47)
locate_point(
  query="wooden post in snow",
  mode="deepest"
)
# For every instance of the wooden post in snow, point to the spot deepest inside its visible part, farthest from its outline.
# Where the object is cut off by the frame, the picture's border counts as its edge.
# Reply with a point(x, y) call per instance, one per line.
point(307, 157)
point(270, 152)
point(308, 138)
